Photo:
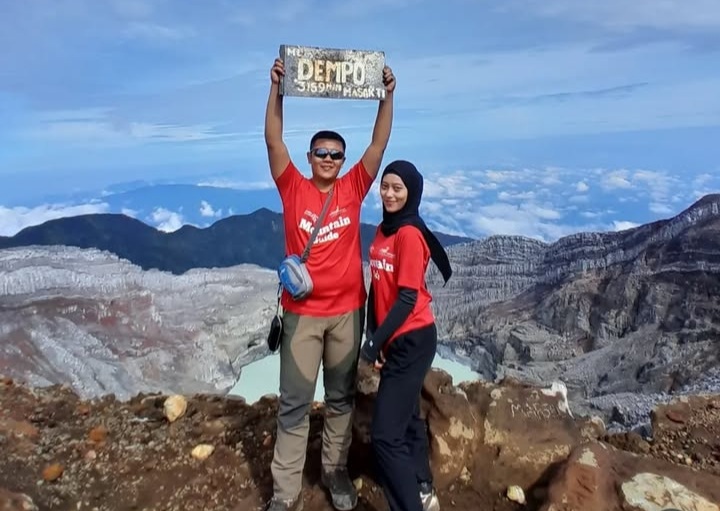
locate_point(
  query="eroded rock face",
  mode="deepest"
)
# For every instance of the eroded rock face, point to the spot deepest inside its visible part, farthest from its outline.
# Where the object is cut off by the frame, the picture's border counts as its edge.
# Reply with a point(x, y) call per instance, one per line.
point(529, 431)
point(598, 477)
point(513, 431)
point(455, 429)
point(607, 313)
point(497, 437)
point(525, 430)
point(96, 322)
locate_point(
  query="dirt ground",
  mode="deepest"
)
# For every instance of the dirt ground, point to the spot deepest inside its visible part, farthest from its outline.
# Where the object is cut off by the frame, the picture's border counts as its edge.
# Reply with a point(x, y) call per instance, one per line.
point(68, 454)
point(106, 455)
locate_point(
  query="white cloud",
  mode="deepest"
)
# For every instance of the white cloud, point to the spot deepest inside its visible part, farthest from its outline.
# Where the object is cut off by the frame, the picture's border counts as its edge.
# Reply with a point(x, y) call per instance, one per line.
point(622, 225)
point(505, 176)
point(455, 185)
point(433, 208)
point(171, 133)
point(370, 7)
point(97, 126)
point(13, 220)
point(702, 179)
point(284, 11)
point(237, 185)
point(545, 213)
point(660, 209)
point(207, 210)
point(616, 179)
point(704, 184)
point(243, 18)
point(660, 187)
point(525, 219)
point(166, 220)
point(129, 212)
point(157, 32)
point(509, 196)
point(133, 9)
point(552, 176)
point(658, 183)
point(562, 89)
point(621, 15)
point(514, 201)
point(579, 199)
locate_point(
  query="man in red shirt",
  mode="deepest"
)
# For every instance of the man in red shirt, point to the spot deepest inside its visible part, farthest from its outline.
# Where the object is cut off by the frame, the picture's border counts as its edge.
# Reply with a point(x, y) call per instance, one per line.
point(327, 325)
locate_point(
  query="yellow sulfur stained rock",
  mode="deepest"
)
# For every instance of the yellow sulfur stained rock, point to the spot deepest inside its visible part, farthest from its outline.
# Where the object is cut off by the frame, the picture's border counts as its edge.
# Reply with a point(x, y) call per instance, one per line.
point(202, 452)
point(516, 494)
point(174, 407)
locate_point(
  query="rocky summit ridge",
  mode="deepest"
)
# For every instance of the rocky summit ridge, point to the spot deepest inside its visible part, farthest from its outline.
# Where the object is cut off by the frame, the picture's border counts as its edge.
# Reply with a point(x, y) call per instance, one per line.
point(494, 446)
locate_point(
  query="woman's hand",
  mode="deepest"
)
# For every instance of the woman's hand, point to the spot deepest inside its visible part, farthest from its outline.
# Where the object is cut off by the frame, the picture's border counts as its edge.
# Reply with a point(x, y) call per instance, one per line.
point(369, 351)
point(379, 362)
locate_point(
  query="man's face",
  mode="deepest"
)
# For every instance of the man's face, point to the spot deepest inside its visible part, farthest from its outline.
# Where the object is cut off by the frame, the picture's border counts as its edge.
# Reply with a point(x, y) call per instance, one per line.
point(326, 158)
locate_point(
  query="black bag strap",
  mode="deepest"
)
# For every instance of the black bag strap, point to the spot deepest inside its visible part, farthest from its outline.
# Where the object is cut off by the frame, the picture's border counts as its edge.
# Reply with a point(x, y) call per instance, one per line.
point(279, 296)
point(319, 222)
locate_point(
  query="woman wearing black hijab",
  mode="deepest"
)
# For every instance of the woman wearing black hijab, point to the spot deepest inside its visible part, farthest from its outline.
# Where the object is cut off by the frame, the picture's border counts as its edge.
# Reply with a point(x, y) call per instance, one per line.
point(402, 338)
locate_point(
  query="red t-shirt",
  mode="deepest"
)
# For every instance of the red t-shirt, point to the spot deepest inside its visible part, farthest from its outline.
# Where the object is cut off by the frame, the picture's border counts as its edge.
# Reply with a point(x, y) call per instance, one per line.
point(400, 260)
point(335, 261)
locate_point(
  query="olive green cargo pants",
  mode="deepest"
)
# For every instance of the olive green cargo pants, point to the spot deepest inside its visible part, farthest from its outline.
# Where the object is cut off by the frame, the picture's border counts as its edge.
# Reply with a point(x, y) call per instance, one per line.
point(306, 342)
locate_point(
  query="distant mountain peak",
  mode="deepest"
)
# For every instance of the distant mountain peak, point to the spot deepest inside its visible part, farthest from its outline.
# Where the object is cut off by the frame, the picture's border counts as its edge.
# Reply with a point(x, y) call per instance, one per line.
point(221, 244)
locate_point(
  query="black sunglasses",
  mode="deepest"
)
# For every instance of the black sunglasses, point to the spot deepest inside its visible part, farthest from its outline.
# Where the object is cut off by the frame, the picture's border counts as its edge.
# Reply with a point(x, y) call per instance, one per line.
point(321, 152)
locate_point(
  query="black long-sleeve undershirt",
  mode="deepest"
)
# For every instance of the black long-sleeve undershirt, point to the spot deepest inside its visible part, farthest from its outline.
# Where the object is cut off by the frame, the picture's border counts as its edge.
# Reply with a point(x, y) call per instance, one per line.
point(399, 312)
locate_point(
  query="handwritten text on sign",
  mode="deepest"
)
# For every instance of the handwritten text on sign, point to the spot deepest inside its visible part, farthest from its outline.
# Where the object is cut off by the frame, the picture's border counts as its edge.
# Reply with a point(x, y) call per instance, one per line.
point(332, 73)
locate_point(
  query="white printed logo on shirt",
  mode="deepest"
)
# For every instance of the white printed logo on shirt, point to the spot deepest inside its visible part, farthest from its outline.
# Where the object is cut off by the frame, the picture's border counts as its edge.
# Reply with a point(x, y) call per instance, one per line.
point(328, 232)
point(382, 261)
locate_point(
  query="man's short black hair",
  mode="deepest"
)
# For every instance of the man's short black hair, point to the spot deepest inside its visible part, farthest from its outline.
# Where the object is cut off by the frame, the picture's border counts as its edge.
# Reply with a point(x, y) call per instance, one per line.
point(327, 135)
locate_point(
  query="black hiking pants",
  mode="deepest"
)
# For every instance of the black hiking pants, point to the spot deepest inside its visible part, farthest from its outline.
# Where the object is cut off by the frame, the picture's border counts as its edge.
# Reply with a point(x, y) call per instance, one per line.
point(399, 435)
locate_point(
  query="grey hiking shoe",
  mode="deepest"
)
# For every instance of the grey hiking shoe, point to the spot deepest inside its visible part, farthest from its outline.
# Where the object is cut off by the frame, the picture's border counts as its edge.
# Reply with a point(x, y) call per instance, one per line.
point(428, 497)
point(342, 490)
point(286, 505)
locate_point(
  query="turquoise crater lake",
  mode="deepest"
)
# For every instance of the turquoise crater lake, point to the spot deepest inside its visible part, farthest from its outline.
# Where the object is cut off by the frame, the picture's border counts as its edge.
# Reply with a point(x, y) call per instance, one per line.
point(262, 377)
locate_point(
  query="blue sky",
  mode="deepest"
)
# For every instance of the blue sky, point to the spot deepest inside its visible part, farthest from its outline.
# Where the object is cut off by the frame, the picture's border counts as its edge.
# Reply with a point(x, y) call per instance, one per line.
point(534, 117)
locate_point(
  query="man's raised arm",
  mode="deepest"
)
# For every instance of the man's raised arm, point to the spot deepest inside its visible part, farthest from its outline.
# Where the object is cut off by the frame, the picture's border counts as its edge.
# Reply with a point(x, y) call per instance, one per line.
point(278, 155)
point(372, 158)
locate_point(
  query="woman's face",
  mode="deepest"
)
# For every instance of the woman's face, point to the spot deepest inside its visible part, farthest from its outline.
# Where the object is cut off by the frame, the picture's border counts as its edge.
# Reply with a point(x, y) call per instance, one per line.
point(393, 193)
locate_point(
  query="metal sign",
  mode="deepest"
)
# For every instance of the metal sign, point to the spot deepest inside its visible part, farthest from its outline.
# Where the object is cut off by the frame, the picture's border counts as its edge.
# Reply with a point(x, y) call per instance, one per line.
point(332, 73)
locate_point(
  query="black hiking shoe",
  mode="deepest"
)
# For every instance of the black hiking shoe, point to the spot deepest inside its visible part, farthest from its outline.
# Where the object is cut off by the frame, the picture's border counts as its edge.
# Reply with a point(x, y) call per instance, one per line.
point(286, 505)
point(342, 490)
